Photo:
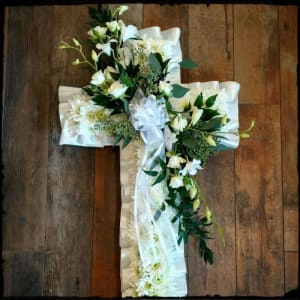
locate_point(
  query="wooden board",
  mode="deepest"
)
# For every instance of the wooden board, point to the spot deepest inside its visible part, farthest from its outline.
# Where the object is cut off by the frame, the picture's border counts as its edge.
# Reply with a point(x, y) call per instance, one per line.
point(47, 227)
point(256, 53)
point(289, 116)
point(259, 234)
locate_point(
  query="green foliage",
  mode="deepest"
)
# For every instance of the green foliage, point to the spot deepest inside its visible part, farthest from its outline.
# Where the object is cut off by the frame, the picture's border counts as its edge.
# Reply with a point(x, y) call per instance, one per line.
point(179, 91)
point(187, 64)
point(99, 15)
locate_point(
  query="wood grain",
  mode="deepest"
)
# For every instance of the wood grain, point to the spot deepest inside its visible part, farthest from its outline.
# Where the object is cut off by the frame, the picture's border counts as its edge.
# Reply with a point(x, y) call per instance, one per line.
point(25, 151)
point(259, 234)
point(68, 237)
point(209, 26)
point(289, 117)
point(256, 53)
point(106, 224)
point(211, 42)
point(291, 271)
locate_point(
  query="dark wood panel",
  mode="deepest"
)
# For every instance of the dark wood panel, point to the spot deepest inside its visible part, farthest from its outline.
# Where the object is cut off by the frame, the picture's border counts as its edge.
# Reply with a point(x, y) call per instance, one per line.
point(256, 53)
point(289, 118)
point(209, 26)
point(259, 227)
point(291, 271)
point(106, 224)
point(211, 42)
point(48, 206)
point(68, 237)
point(25, 150)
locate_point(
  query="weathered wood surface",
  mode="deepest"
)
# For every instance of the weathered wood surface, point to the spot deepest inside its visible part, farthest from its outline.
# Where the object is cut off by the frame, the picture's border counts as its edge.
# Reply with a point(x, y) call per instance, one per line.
point(61, 222)
point(48, 188)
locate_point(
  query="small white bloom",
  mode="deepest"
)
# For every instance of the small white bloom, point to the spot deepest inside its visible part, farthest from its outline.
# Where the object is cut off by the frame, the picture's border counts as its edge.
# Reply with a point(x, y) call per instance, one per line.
point(176, 182)
point(98, 78)
point(98, 32)
point(191, 167)
point(94, 55)
point(175, 161)
point(197, 113)
point(165, 87)
point(117, 89)
point(196, 204)
point(105, 48)
point(170, 138)
point(112, 26)
point(179, 123)
point(122, 9)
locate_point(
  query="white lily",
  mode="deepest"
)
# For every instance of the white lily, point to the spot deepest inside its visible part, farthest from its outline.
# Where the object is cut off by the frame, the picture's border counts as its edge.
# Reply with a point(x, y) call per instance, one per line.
point(191, 167)
point(112, 26)
point(105, 48)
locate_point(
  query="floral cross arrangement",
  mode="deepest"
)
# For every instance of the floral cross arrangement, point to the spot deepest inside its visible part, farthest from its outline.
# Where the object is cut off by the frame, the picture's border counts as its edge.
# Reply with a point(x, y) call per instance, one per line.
point(135, 94)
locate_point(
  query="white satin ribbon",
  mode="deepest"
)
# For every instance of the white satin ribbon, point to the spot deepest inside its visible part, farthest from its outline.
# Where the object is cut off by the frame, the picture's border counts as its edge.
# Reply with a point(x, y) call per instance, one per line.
point(156, 234)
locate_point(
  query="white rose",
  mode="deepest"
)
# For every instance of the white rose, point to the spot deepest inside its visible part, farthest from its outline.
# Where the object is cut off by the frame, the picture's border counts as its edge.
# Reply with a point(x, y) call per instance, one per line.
point(179, 123)
point(197, 113)
point(176, 182)
point(98, 78)
point(175, 161)
point(117, 89)
point(112, 26)
point(165, 87)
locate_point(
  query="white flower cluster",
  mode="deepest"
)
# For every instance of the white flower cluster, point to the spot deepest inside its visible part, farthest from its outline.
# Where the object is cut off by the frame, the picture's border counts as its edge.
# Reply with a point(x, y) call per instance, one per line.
point(84, 114)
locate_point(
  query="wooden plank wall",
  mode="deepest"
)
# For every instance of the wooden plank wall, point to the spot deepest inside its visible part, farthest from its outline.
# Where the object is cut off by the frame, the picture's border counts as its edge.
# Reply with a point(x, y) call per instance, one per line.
point(62, 203)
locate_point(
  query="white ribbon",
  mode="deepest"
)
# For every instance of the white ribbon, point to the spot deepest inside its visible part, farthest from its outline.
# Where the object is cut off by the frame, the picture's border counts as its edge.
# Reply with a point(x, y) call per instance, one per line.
point(156, 234)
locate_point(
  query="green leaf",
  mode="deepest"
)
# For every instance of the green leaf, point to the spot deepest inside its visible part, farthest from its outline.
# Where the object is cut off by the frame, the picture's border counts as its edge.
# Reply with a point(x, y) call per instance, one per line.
point(188, 141)
point(161, 162)
point(187, 64)
point(154, 62)
point(208, 114)
point(117, 140)
point(151, 173)
point(126, 80)
point(160, 177)
point(126, 141)
point(212, 125)
point(178, 91)
point(211, 100)
point(199, 101)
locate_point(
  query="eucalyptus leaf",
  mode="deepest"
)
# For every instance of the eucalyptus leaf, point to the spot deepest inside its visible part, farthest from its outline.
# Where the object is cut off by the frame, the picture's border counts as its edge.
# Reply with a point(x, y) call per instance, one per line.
point(160, 177)
point(187, 64)
point(126, 141)
point(151, 173)
point(154, 62)
point(178, 91)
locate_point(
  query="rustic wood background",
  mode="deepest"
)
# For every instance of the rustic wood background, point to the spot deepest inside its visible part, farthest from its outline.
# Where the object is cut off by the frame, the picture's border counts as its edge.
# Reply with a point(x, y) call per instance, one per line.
point(62, 203)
